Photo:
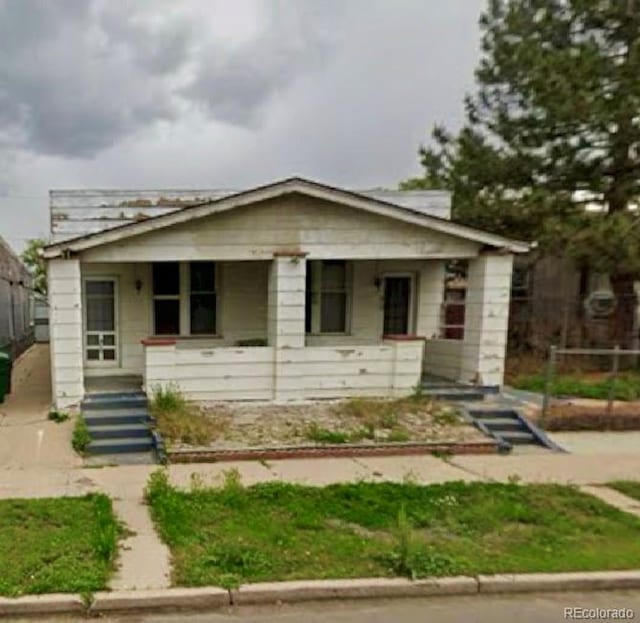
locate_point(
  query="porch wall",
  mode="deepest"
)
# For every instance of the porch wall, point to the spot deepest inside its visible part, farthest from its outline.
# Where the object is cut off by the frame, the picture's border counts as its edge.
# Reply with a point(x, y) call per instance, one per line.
point(65, 307)
point(227, 373)
point(443, 358)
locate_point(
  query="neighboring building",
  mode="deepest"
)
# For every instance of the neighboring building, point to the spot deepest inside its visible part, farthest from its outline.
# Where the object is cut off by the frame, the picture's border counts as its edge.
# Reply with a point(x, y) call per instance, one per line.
point(16, 302)
point(294, 290)
point(553, 302)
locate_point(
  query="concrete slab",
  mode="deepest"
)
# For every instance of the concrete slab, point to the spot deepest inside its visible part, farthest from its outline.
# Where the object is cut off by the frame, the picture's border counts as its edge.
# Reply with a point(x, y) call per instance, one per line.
point(599, 443)
point(28, 439)
point(144, 561)
point(318, 472)
point(614, 498)
point(419, 469)
point(150, 600)
point(551, 467)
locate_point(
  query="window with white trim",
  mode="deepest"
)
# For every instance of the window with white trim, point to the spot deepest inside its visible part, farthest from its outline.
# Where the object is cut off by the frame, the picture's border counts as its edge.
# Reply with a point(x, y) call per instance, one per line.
point(327, 297)
point(196, 304)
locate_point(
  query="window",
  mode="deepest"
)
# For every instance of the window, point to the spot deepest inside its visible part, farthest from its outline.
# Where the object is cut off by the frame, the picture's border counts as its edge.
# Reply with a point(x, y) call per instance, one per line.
point(452, 318)
point(326, 297)
point(166, 298)
point(198, 301)
point(202, 298)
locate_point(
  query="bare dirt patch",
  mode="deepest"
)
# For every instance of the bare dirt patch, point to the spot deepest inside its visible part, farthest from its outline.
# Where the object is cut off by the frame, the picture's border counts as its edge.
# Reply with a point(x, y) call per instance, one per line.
point(360, 421)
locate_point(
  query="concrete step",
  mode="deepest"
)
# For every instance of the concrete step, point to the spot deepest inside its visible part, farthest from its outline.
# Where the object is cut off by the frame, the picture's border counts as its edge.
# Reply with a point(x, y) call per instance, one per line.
point(118, 431)
point(516, 437)
point(125, 400)
point(494, 424)
point(456, 394)
point(118, 446)
point(493, 413)
point(107, 417)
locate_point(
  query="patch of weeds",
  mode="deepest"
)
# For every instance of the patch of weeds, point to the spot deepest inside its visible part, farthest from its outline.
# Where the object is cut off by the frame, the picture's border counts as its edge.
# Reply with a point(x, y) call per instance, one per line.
point(411, 557)
point(58, 416)
point(398, 435)
point(107, 529)
point(324, 435)
point(80, 438)
point(179, 421)
point(446, 416)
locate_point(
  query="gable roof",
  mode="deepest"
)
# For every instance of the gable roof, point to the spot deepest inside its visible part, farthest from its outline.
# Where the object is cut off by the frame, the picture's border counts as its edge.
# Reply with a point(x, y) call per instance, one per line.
point(278, 189)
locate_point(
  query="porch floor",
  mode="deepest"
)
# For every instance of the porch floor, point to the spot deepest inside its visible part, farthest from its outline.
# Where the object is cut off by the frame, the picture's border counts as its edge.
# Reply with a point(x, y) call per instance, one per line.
point(112, 384)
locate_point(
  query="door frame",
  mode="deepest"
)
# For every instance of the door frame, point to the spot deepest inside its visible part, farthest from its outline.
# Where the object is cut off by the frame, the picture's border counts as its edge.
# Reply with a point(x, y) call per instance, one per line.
point(411, 313)
point(116, 321)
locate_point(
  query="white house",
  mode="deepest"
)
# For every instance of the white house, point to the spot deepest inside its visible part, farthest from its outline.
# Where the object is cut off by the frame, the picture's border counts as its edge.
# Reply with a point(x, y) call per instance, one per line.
point(295, 290)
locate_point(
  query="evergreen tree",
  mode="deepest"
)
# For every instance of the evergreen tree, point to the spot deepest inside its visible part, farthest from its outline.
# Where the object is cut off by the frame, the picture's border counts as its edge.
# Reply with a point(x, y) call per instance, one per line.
point(550, 149)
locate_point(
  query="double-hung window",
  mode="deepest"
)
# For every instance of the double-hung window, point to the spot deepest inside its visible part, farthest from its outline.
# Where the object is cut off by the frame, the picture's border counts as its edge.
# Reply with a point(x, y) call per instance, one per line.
point(327, 297)
point(166, 298)
point(202, 298)
point(175, 306)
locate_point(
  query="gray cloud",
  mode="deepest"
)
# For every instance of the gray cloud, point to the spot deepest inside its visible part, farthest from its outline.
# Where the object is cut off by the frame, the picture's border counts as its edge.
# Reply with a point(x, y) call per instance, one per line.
point(77, 76)
point(235, 85)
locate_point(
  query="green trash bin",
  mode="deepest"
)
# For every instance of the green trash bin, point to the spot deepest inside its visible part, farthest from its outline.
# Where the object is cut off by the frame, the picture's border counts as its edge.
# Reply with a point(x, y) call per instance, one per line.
point(5, 374)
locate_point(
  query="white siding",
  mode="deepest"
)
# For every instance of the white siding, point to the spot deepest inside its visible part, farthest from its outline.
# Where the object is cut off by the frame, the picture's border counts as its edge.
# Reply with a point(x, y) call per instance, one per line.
point(443, 358)
point(65, 308)
point(390, 369)
point(323, 230)
point(486, 319)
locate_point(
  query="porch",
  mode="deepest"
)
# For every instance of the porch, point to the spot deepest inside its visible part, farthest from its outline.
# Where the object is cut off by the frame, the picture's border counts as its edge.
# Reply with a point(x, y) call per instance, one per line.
point(290, 328)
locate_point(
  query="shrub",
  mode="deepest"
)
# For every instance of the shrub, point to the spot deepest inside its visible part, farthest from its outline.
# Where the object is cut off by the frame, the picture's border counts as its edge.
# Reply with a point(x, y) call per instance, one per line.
point(80, 438)
point(324, 435)
point(168, 398)
point(58, 416)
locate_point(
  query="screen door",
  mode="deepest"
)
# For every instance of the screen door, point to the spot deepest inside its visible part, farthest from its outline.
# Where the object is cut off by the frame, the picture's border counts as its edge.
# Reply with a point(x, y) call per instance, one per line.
point(101, 342)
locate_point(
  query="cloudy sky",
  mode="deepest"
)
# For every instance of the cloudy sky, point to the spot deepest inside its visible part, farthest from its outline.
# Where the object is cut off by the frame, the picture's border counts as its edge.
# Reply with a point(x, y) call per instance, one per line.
point(221, 93)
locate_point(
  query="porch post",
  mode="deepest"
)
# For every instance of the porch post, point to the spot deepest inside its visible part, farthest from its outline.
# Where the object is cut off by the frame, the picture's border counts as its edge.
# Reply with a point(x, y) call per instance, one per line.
point(285, 311)
point(65, 309)
point(486, 319)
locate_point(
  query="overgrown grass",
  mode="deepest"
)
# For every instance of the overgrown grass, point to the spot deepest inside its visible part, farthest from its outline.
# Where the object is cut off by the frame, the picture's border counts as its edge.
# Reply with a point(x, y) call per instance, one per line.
point(180, 421)
point(80, 438)
point(57, 545)
point(628, 487)
point(278, 531)
point(626, 386)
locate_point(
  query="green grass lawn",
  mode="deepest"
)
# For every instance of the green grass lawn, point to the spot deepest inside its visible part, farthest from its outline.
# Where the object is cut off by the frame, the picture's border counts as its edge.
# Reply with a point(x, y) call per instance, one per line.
point(56, 545)
point(628, 487)
point(278, 531)
point(626, 387)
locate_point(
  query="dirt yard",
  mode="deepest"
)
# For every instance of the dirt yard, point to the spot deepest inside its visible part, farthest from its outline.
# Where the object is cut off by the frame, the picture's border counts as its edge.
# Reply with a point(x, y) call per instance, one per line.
point(360, 421)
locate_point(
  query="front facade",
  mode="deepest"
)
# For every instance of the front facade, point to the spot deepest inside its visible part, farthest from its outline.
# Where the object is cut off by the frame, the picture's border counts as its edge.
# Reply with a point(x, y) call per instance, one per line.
point(285, 292)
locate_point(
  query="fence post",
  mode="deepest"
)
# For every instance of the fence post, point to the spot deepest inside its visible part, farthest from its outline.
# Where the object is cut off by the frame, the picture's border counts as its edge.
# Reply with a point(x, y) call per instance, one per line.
point(548, 381)
point(612, 378)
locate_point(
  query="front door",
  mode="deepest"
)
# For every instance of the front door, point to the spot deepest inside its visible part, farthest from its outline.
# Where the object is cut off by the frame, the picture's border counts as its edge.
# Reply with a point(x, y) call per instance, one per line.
point(397, 305)
point(101, 336)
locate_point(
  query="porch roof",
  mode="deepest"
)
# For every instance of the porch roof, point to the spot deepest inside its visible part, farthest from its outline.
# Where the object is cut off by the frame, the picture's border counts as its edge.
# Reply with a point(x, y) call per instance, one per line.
point(282, 188)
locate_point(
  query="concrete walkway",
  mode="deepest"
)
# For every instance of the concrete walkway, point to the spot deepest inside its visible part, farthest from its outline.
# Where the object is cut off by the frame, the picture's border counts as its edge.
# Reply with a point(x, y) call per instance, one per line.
point(614, 498)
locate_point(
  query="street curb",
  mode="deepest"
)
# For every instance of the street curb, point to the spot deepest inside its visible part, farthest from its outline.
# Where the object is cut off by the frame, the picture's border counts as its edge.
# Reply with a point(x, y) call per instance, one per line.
point(365, 588)
point(212, 598)
point(51, 603)
point(208, 597)
point(545, 582)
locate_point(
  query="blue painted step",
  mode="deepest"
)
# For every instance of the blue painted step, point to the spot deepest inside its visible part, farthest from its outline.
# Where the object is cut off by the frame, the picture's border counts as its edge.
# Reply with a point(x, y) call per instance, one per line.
point(104, 417)
point(119, 446)
point(118, 431)
point(125, 400)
